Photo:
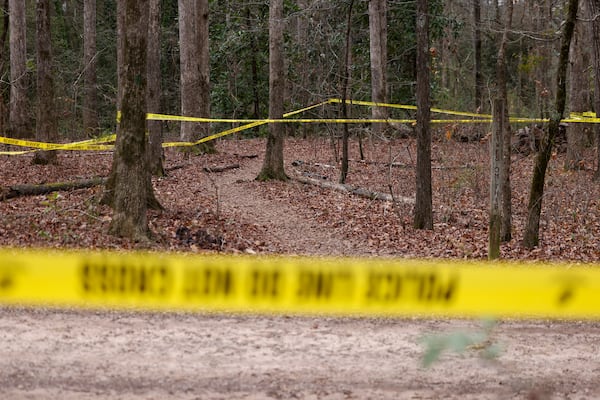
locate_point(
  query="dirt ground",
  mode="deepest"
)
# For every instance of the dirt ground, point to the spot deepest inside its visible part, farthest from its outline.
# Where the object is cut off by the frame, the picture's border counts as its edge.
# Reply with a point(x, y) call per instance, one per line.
point(74, 354)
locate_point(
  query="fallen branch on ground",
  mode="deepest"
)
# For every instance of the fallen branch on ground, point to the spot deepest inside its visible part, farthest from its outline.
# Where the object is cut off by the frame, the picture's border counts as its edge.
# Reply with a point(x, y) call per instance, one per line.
point(221, 168)
point(10, 192)
point(362, 192)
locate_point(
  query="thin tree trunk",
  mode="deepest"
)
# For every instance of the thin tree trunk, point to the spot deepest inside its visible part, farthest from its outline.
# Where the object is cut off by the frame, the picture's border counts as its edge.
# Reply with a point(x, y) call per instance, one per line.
point(506, 223)
point(253, 68)
point(18, 71)
point(190, 69)
point(423, 214)
point(477, 46)
point(3, 59)
point(132, 177)
point(594, 10)
point(46, 126)
point(155, 134)
point(579, 89)
point(378, 54)
point(202, 25)
point(496, 171)
point(534, 207)
point(90, 113)
point(345, 82)
point(273, 163)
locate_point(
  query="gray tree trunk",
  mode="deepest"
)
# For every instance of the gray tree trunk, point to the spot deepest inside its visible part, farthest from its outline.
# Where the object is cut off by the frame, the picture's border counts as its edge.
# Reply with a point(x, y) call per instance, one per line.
point(423, 214)
point(345, 84)
point(46, 125)
point(273, 163)
point(18, 70)
point(536, 194)
point(90, 112)
point(579, 89)
point(202, 21)
point(477, 47)
point(155, 134)
point(378, 54)
point(594, 10)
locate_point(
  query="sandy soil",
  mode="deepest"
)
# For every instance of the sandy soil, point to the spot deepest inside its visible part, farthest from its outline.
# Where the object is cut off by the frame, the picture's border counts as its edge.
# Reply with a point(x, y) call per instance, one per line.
point(70, 354)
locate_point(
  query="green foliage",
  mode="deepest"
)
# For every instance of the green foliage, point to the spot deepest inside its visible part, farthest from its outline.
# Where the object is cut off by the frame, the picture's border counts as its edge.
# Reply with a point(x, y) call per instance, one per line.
point(460, 342)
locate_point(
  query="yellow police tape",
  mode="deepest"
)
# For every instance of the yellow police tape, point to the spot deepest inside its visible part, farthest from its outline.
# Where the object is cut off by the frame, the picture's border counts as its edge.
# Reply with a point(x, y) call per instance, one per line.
point(297, 285)
point(95, 144)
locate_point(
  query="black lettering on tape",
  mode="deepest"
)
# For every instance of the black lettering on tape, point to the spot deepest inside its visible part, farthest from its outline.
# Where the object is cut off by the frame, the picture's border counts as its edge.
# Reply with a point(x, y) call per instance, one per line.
point(153, 280)
point(265, 284)
point(323, 285)
point(426, 286)
point(208, 282)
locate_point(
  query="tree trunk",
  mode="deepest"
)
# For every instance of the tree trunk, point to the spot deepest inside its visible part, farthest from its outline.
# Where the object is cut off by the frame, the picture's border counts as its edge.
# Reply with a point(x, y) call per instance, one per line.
point(594, 10)
point(345, 82)
point(155, 135)
point(506, 220)
point(273, 163)
point(132, 177)
point(579, 89)
point(90, 112)
point(534, 207)
point(378, 54)
point(423, 217)
point(46, 125)
point(477, 46)
point(202, 39)
point(3, 71)
point(18, 70)
point(496, 171)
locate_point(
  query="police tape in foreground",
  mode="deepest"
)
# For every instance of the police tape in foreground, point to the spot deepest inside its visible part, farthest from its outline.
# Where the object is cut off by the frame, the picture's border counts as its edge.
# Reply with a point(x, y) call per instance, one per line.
point(297, 285)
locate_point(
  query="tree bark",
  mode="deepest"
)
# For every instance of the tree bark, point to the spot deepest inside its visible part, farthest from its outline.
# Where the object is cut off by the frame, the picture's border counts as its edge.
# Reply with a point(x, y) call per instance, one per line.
point(273, 163)
point(423, 214)
point(3, 71)
point(202, 20)
point(46, 125)
point(534, 207)
point(132, 184)
point(345, 83)
point(477, 46)
point(378, 55)
point(90, 112)
point(496, 172)
point(155, 134)
point(18, 70)
point(594, 10)
point(506, 134)
point(579, 89)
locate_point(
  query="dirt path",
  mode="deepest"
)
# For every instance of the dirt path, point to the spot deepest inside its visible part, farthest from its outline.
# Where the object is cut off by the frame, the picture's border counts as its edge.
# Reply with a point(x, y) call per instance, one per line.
point(293, 233)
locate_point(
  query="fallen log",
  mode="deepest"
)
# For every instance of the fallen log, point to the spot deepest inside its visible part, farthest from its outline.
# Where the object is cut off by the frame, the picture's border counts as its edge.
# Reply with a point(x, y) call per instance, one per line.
point(362, 192)
point(221, 168)
point(13, 191)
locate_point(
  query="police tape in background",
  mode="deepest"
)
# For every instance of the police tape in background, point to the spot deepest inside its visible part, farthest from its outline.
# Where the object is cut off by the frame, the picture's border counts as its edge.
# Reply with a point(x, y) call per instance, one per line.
point(297, 285)
point(96, 144)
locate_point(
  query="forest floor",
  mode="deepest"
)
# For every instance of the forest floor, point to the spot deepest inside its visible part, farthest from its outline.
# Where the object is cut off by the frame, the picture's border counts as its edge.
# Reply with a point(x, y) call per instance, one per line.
point(70, 354)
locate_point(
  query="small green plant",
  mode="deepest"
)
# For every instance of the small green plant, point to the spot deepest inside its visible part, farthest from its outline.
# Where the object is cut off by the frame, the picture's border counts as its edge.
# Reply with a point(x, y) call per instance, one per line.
point(459, 342)
point(51, 200)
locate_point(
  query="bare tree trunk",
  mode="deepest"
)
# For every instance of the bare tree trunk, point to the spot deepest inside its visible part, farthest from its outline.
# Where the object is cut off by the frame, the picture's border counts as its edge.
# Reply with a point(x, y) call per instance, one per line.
point(202, 25)
point(534, 207)
point(132, 177)
point(579, 89)
point(90, 112)
point(345, 81)
point(378, 53)
point(496, 170)
point(594, 10)
point(423, 217)
point(18, 71)
point(273, 163)
point(477, 46)
point(3, 59)
point(506, 223)
point(46, 125)
point(190, 68)
point(155, 134)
